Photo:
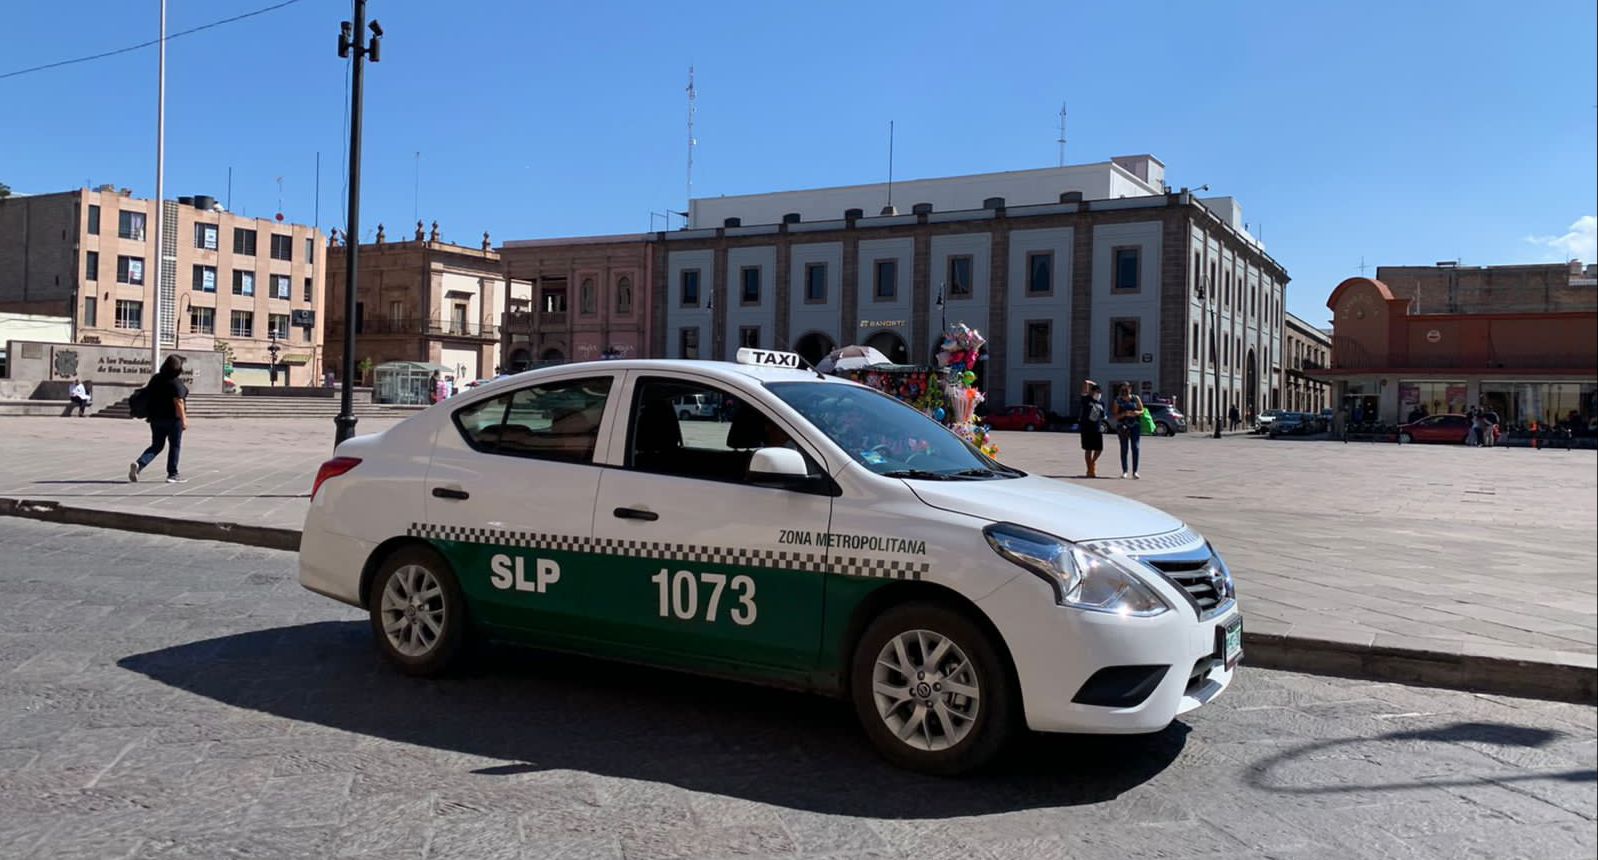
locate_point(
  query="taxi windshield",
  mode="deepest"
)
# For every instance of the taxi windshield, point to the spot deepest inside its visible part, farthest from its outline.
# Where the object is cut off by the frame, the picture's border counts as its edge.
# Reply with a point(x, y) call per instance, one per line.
point(887, 436)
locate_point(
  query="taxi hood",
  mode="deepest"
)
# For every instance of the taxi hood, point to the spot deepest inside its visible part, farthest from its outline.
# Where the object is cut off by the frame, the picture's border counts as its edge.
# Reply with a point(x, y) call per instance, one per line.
point(1056, 507)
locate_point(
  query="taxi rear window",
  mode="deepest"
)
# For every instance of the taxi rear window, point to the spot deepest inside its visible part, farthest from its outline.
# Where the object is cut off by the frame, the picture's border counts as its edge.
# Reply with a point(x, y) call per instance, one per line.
point(554, 421)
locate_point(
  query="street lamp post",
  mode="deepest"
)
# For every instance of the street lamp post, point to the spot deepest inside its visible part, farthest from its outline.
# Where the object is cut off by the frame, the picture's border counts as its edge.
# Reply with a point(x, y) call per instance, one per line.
point(349, 42)
point(272, 350)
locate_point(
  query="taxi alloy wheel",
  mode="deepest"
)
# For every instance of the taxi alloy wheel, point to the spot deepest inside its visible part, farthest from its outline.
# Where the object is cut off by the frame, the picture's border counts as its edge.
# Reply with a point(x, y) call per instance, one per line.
point(931, 690)
point(417, 612)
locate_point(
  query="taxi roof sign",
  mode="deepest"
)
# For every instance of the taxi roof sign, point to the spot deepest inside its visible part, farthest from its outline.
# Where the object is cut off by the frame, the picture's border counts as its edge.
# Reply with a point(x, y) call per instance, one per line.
point(769, 358)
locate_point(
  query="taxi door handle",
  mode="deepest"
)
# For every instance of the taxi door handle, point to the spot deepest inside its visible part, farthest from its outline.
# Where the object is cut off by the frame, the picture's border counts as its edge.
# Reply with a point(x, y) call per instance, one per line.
point(451, 493)
point(636, 514)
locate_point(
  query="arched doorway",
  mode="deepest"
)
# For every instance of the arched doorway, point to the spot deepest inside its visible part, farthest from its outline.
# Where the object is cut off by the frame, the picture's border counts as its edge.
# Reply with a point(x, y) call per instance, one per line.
point(552, 356)
point(814, 346)
point(1251, 387)
point(520, 360)
point(891, 345)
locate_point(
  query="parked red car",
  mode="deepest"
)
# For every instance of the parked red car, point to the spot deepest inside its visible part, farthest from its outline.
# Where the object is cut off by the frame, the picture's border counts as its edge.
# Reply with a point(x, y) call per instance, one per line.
point(1448, 429)
point(1018, 418)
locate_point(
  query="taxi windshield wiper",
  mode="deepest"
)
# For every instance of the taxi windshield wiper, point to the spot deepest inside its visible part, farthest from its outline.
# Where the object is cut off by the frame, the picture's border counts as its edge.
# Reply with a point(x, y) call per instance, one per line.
point(985, 473)
point(919, 475)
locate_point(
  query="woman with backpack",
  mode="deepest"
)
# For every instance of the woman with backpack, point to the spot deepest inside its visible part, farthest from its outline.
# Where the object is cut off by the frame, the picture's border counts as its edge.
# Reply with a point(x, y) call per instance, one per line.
point(1128, 414)
point(163, 401)
point(1090, 415)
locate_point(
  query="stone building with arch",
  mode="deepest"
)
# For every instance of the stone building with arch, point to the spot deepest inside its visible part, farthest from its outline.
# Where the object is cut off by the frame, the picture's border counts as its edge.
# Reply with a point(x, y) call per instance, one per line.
point(589, 299)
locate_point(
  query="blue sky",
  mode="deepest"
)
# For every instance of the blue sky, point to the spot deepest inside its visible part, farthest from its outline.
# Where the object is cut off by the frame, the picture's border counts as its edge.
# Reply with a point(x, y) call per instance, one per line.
point(1399, 133)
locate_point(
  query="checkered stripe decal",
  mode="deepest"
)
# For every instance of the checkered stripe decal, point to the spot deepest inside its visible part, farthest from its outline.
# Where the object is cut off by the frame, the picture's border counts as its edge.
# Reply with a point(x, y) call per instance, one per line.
point(807, 562)
point(1179, 540)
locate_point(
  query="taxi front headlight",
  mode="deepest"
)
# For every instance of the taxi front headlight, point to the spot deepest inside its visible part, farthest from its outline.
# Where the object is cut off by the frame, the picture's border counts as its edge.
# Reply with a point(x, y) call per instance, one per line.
point(1081, 577)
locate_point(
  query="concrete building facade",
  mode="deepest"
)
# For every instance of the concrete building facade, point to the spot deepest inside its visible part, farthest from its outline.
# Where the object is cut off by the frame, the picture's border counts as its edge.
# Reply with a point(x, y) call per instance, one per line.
point(231, 283)
point(1306, 350)
point(422, 300)
point(1163, 290)
point(589, 298)
point(1392, 362)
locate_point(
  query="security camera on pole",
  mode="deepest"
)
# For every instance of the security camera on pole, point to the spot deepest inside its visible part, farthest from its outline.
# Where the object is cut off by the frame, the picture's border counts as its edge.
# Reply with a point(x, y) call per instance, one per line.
point(348, 43)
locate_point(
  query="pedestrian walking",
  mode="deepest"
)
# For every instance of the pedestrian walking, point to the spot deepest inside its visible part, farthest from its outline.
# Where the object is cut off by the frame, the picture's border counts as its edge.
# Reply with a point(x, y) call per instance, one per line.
point(80, 397)
point(1473, 436)
point(437, 388)
point(1090, 415)
point(1340, 424)
point(1127, 413)
point(166, 408)
point(1233, 418)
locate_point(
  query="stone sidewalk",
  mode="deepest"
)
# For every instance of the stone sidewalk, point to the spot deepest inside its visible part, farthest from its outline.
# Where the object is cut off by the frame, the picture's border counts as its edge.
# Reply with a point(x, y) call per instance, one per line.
point(1460, 567)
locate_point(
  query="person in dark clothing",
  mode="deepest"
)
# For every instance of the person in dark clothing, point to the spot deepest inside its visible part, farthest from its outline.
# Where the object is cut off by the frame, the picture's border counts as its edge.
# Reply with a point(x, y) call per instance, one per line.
point(1090, 416)
point(1233, 417)
point(168, 416)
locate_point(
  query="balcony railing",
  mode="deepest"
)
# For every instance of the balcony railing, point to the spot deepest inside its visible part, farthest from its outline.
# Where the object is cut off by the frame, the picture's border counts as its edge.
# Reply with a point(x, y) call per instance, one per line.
point(419, 327)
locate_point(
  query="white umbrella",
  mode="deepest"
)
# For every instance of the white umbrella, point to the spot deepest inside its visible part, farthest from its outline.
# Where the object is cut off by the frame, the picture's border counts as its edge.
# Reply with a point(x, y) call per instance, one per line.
point(852, 358)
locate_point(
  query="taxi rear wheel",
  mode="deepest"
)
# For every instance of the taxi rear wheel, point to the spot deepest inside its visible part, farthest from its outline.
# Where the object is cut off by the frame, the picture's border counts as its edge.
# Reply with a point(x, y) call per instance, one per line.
point(417, 611)
point(931, 690)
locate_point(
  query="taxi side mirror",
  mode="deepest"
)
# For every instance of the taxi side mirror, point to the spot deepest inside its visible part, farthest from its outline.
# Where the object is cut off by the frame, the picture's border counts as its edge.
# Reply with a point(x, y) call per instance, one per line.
point(781, 467)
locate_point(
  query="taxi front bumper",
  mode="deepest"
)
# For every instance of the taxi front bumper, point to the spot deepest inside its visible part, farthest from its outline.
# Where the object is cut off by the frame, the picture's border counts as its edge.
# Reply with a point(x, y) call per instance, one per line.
point(1143, 672)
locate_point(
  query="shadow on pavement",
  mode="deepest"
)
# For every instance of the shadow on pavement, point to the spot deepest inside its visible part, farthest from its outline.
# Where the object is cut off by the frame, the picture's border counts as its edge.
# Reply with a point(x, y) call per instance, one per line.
point(537, 711)
point(1470, 734)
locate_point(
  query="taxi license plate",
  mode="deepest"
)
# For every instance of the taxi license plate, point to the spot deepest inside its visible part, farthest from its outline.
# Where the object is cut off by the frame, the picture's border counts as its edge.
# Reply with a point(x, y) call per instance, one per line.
point(1229, 642)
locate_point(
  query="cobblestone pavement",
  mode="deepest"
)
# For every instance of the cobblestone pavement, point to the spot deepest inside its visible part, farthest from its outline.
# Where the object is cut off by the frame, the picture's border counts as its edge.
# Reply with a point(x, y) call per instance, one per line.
point(1449, 549)
point(164, 698)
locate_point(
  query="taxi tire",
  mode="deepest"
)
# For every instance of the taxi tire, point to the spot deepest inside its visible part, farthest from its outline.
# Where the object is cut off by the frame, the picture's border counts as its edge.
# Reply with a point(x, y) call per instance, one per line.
point(996, 719)
point(451, 643)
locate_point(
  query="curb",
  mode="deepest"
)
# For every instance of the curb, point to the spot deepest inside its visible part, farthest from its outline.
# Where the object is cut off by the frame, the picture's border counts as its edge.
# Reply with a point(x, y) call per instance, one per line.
point(54, 512)
point(1561, 682)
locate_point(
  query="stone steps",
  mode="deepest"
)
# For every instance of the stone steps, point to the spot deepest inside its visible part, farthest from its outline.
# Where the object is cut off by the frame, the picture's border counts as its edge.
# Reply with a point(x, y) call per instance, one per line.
point(237, 406)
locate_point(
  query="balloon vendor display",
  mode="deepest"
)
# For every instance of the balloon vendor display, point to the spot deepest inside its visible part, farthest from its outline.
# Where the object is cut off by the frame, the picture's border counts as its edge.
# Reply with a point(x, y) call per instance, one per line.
point(920, 387)
point(958, 355)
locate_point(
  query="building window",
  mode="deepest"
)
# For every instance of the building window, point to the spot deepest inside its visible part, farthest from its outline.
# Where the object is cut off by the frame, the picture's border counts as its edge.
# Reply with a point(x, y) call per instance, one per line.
point(1038, 347)
point(1035, 394)
point(885, 280)
point(1198, 273)
point(130, 270)
point(749, 285)
point(688, 281)
point(396, 314)
point(244, 242)
point(205, 279)
point(688, 343)
point(457, 318)
point(1195, 342)
point(205, 236)
point(959, 279)
point(1128, 274)
point(243, 283)
point(310, 251)
point(1226, 294)
point(91, 265)
point(1123, 339)
point(130, 314)
point(310, 291)
point(624, 297)
point(202, 320)
point(282, 247)
point(91, 312)
point(130, 225)
point(277, 326)
point(94, 220)
point(554, 301)
point(1040, 273)
point(242, 324)
point(815, 282)
point(282, 287)
point(588, 301)
point(749, 336)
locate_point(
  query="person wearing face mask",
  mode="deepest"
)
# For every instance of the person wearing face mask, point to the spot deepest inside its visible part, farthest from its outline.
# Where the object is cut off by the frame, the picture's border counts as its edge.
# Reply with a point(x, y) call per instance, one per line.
point(1090, 414)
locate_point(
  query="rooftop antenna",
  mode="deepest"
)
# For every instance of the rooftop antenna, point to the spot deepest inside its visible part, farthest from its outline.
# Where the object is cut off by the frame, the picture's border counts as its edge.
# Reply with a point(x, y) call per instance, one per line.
point(1061, 141)
point(691, 141)
point(416, 188)
point(890, 163)
point(1362, 266)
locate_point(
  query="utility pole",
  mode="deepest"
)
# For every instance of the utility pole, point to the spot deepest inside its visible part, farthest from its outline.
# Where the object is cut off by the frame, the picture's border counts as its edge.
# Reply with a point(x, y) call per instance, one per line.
point(1061, 141)
point(160, 197)
point(349, 41)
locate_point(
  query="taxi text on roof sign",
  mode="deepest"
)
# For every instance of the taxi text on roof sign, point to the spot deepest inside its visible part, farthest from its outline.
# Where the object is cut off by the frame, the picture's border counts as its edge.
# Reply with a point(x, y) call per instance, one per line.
point(768, 357)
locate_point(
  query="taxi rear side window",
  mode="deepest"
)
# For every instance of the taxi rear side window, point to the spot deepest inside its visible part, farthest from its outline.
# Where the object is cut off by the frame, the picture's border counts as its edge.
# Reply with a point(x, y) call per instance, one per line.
point(556, 421)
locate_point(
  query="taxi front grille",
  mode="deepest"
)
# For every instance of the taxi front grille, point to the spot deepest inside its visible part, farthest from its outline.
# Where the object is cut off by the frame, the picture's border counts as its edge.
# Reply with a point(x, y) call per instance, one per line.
point(1193, 577)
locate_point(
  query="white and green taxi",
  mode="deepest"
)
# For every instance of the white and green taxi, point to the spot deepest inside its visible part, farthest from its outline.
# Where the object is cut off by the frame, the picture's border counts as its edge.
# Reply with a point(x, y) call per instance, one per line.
point(815, 534)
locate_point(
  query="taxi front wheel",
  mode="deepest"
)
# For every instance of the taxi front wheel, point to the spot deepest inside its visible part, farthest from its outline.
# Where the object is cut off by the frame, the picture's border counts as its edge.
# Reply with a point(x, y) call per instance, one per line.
point(931, 690)
point(418, 614)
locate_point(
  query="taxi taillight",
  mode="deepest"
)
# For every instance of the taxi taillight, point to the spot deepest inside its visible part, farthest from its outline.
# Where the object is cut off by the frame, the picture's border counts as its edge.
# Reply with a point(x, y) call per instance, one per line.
point(332, 469)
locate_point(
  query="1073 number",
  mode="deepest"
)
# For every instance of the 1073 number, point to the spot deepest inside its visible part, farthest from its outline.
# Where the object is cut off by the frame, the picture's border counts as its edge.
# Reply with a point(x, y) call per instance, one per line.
point(679, 595)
